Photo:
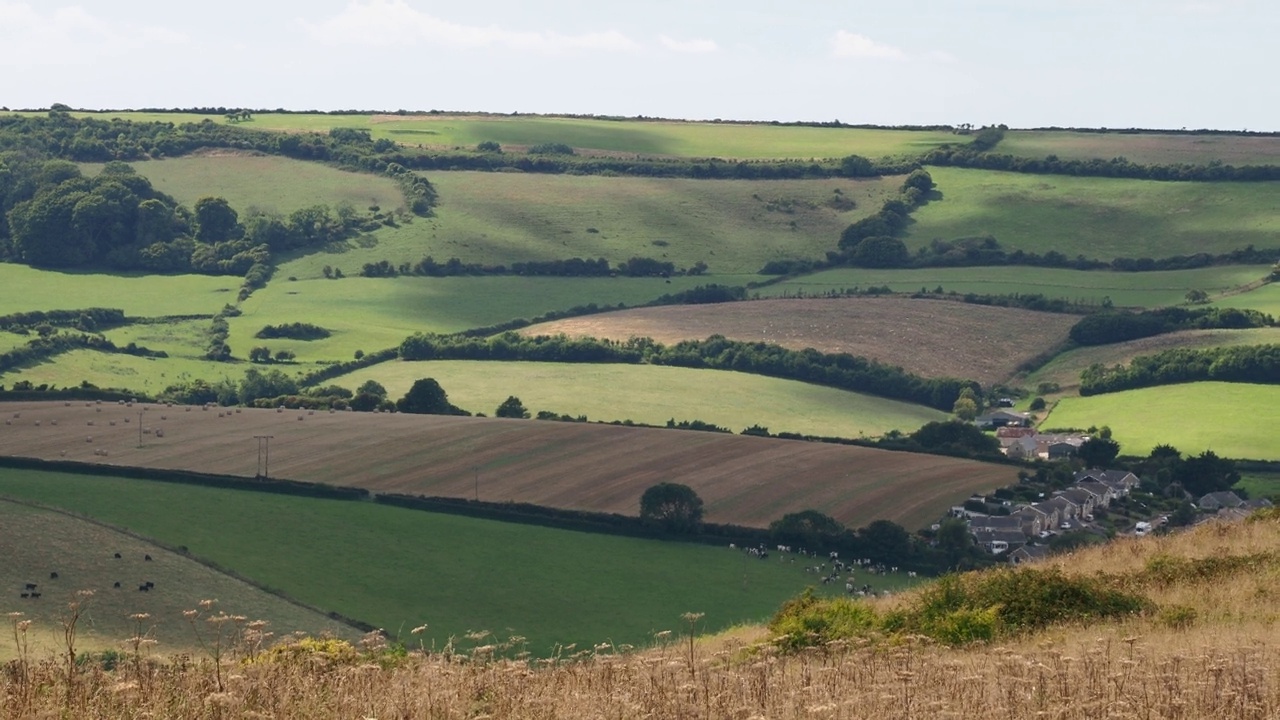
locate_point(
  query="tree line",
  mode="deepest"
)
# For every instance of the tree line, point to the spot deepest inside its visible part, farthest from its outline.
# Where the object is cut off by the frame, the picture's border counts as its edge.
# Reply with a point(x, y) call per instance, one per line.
point(1119, 167)
point(1245, 363)
point(1116, 326)
point(840, 370)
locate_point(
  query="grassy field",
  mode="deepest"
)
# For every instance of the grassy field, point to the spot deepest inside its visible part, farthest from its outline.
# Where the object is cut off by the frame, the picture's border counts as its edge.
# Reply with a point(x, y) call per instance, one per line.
point(400, 568)
point(268, 183)
point(1065, 369)
point(651, 395)
point(1265, 299)
point(734, 226)
point(1148, 289)
point(932, 338)
point(374, 313)
point(630, 137)
point(23, 289)
point(37, 542)
point(1143, 148)
point(126, 372)
point(1234, 420)
point(1096, 217)
point(745, 480)
point(1260, 485)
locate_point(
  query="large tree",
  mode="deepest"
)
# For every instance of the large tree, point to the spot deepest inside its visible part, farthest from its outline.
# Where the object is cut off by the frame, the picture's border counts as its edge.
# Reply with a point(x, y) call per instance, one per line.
point(807, 528)
point(511, 408)
point(426, 397)
point(216, 220)
point(672, 507)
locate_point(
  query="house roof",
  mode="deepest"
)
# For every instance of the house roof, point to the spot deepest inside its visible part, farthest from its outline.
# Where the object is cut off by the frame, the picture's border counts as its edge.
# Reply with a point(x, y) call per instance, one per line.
point(1097, 489)
point(1108, 477)
point(1079, 496)
point(995, 522)
point(1012, 537)
point(1033, 552)
point(1222, 498)
point(1014, 432)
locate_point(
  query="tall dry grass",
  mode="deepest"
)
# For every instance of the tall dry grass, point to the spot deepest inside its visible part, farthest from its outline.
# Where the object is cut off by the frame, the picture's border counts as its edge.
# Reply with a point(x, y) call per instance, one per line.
point(1209, 651)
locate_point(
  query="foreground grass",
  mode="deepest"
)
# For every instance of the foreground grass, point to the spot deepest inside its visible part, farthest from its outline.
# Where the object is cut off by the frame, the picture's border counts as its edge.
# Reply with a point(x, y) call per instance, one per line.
point(27, 289)
point(268, 183)
point(1234, 420)
point(1207, 651)
point(734, 226)
point(653, 395)
point(1148, 289)
point(1096, 217)
point(400, 568)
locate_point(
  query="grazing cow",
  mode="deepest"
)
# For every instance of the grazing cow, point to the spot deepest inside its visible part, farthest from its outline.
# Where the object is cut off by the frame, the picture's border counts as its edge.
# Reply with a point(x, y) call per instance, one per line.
point(53, 576)
point(35, 594)
point(26, 595)
point(150, 585)
point(144, 588)
point(146, 557)
point(31, 586)
point(116, 585)
point(117, 556)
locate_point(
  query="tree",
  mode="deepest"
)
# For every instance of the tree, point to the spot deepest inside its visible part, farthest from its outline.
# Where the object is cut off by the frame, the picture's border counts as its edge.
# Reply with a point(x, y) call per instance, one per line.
point(285, 356)
point(920, 180)
point(880, 251)
point(272, 383)
point(426, 397)
point(672, 507)
point(260, 354)
point(1206, 473)
point(886, 541)
point(808, 528)
point(1098, 452)
point(216, 221)
point(954, 541)
point(372, 387)
point(511, 408)
point(1197, 297)
point(856, 166)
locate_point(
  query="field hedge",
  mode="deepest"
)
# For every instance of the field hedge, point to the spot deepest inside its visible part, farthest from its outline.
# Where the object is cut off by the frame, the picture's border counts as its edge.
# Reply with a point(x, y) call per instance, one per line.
point(1247, 364)
point(1109, 327)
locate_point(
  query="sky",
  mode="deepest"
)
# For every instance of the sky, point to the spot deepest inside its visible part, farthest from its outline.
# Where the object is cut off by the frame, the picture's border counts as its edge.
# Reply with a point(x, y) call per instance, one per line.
point(1025, 63)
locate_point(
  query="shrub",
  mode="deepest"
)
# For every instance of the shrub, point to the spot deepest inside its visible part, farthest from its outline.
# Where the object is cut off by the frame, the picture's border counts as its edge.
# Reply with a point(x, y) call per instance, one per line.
point(807, 621)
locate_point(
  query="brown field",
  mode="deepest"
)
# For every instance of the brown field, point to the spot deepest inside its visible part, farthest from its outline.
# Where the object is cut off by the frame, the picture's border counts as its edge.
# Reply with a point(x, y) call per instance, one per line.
point(35, 542)
point(932, 338)
point(743, 480)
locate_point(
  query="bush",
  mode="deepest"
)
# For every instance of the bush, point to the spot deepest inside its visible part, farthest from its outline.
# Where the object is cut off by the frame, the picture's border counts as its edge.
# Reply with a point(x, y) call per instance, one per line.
point(807, 621)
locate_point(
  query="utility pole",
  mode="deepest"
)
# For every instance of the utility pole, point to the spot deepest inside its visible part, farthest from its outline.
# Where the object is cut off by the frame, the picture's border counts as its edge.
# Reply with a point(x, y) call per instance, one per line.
point(264, 455)
point(140, 412)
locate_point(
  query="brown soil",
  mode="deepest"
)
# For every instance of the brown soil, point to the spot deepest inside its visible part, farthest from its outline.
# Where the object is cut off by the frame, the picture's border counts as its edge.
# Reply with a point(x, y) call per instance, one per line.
point(932, 338)
point(743, 480)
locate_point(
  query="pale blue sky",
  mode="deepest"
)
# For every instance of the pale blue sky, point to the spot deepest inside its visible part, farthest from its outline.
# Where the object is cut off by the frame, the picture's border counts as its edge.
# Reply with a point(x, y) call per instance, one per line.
point(1027, 63)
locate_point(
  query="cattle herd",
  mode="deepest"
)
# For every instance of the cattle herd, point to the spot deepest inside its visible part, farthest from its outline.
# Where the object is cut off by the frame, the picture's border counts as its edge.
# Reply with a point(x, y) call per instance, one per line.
point(31, 591)
point(831, 569)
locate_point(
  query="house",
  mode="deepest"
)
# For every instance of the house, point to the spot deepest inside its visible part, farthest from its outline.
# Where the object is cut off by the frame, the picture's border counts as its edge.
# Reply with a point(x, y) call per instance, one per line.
point(1102, 494)
point(1051, 515)
point(1121, 481)
point(997, 542)
point(1059, 450)
point(1084, 499)
point(1028, 553)
point(1256, 504)
point(995, 522)
point(1014, 432)
point(1033, 520)
point(1068, 510)
point(1003, 418)
point(1220, 500)
point(1023, 447)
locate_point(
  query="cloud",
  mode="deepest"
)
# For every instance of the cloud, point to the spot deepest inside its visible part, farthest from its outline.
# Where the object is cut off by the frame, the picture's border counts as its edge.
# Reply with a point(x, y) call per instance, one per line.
point(852, 45)
point(382, 22)
point(695, 45)
point(71, 35)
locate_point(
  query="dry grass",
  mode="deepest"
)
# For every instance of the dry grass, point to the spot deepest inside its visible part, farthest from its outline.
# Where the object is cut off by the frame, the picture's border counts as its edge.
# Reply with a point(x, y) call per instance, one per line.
point(932, 338)
point(1222, 665)
point(743, 480)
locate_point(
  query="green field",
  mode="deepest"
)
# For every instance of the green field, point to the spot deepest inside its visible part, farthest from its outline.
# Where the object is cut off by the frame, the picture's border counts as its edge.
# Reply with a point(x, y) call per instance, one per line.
point(38, 542)
point(272, 184)
point(1260, 485)
point(1234, 420)
point(1065, 369)
point(125, 372)
point(1143, 148)
point(734, 226)
point(652, 394)
point(23, 289)
point(1148, 289)
point(650, 138)
point(1098, 218)
point(374, 313)
point(401, 568)
point(1265, 299)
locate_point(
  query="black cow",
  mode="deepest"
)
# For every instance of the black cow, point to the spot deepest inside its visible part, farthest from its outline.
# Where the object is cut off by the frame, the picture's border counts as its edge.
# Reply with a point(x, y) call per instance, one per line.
point(150, 585)
point(35, 595)
point(117, 556)
point(31, 586)
point(147, 558)
point(26, 595)
point(117, 584)
point(53, 576)
point(144, 588)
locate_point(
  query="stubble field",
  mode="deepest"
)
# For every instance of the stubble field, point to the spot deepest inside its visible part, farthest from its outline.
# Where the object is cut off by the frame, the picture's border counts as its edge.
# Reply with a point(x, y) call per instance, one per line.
point(743, 480)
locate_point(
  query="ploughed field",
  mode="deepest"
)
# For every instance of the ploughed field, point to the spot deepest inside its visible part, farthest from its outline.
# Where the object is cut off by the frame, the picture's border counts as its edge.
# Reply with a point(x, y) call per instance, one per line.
point(931, 338)
point(743, 480)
